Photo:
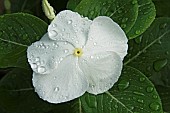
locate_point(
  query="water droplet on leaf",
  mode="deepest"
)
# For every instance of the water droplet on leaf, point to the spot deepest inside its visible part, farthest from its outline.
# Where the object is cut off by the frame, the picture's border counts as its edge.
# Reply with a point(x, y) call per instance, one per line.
point(159, 64)
point(155, 106)
point(123, 84)
point(149, 89)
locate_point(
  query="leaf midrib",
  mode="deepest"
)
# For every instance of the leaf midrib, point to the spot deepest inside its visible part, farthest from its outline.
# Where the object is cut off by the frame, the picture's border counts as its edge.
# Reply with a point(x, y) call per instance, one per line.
point(109, 94)
point(148, 46)
point(12, 42)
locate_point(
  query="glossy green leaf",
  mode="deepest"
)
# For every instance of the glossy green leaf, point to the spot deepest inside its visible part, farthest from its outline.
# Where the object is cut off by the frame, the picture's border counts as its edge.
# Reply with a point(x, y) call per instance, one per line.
point(133, 93)
point(124, 12)
point(17, 95)
point(150, 53)
point(17, 31)
point(72, 4)
point(146, 15)
point(164, 93)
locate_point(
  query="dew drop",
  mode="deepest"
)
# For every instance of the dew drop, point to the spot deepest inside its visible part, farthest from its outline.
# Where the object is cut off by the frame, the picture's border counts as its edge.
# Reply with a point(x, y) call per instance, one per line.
point(41, 69)
point(162, 26)
point(123, 25)
point(119, 11)
point(142, 79)
point(77, 41)
point(61, 59)
point(56, 89)
point(37, 59)
point(123, 84)
point(159, 64)
point(134, 2)
point(167, 53)
point(33, 65)
point(92, 13)
point(149, 89)
point(53, 33)
point(91, 57)
point(63, 29)
point(155, 106)
point(138, 32)
point(138, 93)
point(66, 51)
point(116, 106)
point(124, 20)
point(155, 96)
point(94, 43)
point(38, 63)
point(138, 40)
point(140, 100)
point(54, 25)
point(98, 57)
point(55, 44)
point(69, 22)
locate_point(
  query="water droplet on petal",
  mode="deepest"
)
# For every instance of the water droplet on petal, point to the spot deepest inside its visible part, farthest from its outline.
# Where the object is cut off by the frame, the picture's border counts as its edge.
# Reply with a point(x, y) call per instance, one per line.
point(56, 89)
point(94, 43)
point(77, 42)
point(66, 51)
point(69, 22)
point(98, 57)
point(91, 57)
point(61, 59)
point(123, 84)
point(159, 64)
point(33, 65)
point(54, 25)
point(53, 33)
point(41, 69)
point(155, 106)
point(37, 59)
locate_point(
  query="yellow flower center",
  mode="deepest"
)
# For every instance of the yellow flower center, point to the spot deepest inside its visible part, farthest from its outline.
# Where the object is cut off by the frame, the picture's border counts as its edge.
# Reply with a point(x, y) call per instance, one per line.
point(78, 52)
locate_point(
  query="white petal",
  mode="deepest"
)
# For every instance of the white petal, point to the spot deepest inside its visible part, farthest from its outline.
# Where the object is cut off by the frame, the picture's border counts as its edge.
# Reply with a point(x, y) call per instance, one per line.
point(45, 55)
point(63, 84)
point(106, 35)
point(69, 26)
point(102, 71)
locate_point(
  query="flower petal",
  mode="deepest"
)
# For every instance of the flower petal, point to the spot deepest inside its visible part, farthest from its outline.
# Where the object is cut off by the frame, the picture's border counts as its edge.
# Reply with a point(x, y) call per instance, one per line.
point(106, 35)
point(63, 84)
point(69, 26)
point(45, 55)
point(102, 71)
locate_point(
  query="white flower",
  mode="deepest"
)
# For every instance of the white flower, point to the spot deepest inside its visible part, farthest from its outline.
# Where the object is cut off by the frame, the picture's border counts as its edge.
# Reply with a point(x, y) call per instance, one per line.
point(77, 55)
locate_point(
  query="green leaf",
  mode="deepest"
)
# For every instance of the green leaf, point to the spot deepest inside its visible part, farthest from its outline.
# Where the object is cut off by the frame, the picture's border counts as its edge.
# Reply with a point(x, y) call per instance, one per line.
point(164, 93)
point(133, 93)
point(146, 15)
point(72, 4)
point(150, 53)
point(17, 95)
point(124, 12)
point(18, 31)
